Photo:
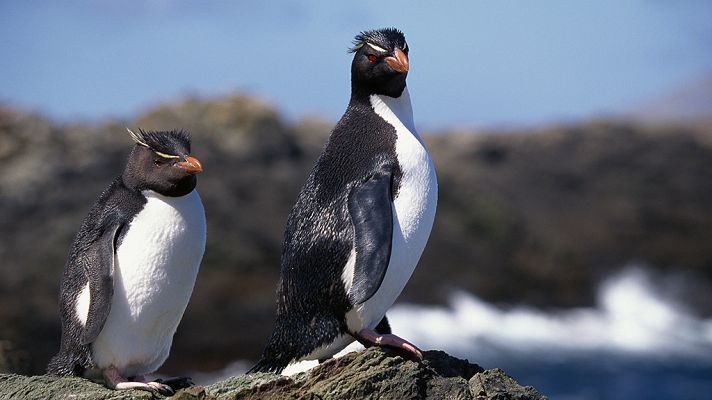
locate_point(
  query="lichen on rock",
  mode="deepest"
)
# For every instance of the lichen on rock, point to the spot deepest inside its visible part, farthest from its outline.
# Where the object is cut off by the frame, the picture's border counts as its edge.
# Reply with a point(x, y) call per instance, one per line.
point(374, 373)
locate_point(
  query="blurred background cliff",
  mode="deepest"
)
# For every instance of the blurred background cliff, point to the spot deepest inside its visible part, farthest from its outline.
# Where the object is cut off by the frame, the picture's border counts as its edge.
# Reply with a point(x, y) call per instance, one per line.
point(571, 142)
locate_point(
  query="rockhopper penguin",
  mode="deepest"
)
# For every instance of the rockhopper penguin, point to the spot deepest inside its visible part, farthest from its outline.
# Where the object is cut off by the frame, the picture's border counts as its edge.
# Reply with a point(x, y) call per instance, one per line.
point(132, 266)
point(361, 221)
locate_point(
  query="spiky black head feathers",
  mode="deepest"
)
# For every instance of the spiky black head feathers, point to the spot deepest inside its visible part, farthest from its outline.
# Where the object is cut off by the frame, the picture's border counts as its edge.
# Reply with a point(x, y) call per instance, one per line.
point(161, 162)
point(170, 143)
point(380, 64)
point(387, 38)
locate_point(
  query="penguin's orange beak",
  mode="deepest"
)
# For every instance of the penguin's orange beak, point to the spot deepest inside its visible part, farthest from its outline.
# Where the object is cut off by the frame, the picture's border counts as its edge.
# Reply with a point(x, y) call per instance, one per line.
point(191, 165)
point(398, 61)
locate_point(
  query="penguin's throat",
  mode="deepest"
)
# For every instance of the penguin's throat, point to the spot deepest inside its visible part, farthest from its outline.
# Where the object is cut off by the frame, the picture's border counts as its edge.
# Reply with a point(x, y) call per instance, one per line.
point(395, 109)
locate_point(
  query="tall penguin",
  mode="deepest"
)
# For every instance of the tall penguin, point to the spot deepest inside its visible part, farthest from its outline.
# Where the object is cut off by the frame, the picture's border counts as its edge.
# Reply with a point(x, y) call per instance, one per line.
point(361, 221)
point(133, 265)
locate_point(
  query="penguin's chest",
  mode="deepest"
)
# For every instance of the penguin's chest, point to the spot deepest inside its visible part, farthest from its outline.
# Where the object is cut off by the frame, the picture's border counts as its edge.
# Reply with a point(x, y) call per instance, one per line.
point(413, 214)
point(158, 260)
point(155, 269)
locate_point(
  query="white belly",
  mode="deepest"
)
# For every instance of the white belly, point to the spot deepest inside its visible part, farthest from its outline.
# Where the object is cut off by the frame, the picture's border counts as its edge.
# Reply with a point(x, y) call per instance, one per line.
point(413, 211)
point(155, 269)
point(413, 216)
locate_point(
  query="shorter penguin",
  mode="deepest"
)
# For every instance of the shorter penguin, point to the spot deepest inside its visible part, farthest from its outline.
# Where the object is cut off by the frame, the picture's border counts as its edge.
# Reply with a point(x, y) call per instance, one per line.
point(132, 267)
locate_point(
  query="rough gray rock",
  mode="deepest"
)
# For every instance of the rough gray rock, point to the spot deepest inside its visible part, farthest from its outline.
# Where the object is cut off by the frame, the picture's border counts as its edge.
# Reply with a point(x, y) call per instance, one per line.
point(544, 214)
point(371, 374)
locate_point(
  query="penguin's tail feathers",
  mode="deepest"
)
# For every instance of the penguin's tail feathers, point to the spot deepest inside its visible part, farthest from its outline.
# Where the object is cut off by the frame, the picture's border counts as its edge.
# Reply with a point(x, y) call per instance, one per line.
point(294, 337)
point(268, 365)
point(68, 364)
point(60, 365)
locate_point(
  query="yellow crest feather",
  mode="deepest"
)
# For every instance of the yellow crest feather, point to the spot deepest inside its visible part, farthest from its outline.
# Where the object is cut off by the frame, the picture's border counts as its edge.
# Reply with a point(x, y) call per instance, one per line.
point(137, 138)
point(164, 155)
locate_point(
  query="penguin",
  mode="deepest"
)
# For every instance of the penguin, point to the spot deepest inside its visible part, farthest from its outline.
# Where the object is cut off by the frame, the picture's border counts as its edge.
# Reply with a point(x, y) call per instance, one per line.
point(132, 267)
point(361, 220)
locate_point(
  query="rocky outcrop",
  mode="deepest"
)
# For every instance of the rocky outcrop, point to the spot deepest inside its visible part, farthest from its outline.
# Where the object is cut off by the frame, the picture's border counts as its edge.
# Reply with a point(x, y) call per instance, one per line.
point(370, 374)
point(545, 215)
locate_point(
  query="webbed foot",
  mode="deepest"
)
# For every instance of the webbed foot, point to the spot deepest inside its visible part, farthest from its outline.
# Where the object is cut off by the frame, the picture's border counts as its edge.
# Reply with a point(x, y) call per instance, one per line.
point(369, 337)
point(114, 380)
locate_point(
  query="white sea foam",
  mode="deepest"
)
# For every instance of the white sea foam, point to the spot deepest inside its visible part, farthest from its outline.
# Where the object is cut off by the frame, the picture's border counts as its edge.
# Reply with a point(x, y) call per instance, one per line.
point(631, 319)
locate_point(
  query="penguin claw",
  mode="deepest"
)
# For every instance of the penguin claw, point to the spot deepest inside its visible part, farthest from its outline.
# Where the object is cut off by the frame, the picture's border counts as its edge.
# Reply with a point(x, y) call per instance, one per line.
point(176, 383)
point(161, 388)
point(369, 337)
point(409, 347)
point(115, 381)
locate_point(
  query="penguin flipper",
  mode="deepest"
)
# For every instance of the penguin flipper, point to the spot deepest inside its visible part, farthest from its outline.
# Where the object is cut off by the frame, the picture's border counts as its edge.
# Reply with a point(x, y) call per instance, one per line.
point(99, 267)
point(370, 208)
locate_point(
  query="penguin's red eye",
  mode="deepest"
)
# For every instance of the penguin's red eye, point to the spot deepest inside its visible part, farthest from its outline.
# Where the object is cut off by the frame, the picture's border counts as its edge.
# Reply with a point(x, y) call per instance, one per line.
point(159, 162)
point(372, 58)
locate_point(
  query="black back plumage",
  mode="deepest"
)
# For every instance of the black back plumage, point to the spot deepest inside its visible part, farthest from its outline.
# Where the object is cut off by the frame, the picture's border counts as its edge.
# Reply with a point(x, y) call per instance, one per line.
point(319, 235)
point(104, 224)
point(91, 255)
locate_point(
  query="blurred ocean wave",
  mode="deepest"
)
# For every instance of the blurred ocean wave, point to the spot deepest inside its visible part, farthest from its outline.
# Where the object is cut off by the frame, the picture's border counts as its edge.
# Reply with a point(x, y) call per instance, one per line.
point(631, 318)
point(635, 343)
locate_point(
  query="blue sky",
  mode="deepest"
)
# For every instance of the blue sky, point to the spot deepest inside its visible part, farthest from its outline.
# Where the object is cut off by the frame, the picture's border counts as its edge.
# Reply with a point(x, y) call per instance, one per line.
point(473, 63)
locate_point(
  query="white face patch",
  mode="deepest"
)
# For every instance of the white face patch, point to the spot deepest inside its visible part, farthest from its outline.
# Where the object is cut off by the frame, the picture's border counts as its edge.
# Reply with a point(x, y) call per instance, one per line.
point(377, 48)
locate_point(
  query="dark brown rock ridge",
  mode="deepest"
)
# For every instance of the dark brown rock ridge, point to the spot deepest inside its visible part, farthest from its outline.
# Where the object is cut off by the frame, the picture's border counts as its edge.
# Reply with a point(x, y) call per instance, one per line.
point(531, 216)
point(370, 374)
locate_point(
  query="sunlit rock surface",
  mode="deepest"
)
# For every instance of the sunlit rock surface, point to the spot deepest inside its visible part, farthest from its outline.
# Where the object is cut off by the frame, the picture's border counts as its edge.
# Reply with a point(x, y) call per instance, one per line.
point(370, 374)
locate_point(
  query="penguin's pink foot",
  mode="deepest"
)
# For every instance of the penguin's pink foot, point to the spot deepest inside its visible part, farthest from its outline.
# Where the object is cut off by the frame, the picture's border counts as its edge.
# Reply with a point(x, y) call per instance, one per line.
point(369, 337)
point(115, 381)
